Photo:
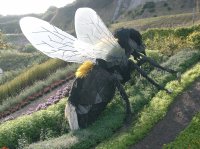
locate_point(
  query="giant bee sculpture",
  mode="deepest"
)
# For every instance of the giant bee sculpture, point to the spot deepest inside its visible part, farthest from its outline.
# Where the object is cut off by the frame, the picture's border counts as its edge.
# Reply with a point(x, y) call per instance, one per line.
point(106, 64)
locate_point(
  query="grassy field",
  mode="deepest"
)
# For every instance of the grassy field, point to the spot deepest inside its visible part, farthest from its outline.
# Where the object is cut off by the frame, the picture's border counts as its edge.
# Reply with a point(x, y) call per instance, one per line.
point(14, 62)
point(168, 21)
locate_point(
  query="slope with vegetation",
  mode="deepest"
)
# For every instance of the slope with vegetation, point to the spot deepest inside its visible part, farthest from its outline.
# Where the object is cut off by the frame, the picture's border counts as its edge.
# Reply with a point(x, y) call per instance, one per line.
point(125, 10)
point(148, 105)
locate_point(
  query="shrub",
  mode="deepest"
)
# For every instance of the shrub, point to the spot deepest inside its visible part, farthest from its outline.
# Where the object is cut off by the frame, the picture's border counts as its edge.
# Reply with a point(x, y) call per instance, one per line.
point(29, 48)
point(194, 40)
point(169, 45)
point(45, 123)
point(149, 5)
point(103, 128)
point(38, 72)
point(170, 41)
point(3, 44)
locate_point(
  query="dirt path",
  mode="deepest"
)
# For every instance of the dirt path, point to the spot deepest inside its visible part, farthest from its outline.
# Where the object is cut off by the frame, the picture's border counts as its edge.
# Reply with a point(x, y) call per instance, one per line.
point(33, 105)
point(178, 117)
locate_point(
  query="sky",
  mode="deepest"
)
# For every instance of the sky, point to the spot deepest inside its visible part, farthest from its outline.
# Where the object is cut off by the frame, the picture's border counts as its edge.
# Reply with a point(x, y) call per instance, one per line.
point(17, 7)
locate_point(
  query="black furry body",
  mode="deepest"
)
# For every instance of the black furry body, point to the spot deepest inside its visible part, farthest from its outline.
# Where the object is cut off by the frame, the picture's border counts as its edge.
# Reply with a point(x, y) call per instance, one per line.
point(90, 95)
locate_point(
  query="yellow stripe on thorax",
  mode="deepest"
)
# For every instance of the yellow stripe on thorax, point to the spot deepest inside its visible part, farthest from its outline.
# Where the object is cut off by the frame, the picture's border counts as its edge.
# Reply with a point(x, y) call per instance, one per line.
point(84, 69)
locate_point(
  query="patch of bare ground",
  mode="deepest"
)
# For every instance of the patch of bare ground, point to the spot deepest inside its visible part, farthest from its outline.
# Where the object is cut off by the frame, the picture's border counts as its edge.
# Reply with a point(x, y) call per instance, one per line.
point(177, 119)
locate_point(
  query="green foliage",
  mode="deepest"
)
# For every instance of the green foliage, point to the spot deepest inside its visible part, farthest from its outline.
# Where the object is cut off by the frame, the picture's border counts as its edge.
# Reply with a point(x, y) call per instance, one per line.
point(184, 32)
point(170, 41)
point(10, 27)
point(37, 87)
point(166, 45)
point(9, 75)
point(166, 21)
point(188, 138)
point(29, 48)
point(3, 44)
point(103, 128)
point(38, 72)
point(156, 55)
point(13, 60)
point(150, 6)
point(28, 129)
point(140, 94)
point(194, 40)
point(151, 114)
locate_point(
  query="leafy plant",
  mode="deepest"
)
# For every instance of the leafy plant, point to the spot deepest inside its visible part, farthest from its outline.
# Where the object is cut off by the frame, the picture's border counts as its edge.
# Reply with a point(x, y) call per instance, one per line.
point(3, 44)
point(31, 126)
point(29, 48)
point(194, 40)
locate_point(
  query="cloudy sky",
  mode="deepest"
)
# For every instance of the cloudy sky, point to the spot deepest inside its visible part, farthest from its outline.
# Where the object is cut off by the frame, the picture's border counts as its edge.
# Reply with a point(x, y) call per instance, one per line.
point(16, 7)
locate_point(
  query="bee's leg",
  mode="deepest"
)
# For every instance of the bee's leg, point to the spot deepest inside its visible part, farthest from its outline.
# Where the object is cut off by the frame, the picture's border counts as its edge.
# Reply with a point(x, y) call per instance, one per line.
point(71, 115)
point(125, 98)
point(144, 74)
point(155, 64)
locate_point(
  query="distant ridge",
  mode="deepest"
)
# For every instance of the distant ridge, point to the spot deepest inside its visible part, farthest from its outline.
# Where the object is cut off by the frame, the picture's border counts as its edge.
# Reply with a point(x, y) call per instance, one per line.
point(109, 10)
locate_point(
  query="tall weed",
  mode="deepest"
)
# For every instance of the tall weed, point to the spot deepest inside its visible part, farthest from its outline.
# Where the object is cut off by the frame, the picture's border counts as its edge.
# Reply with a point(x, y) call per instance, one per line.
point(38, 72)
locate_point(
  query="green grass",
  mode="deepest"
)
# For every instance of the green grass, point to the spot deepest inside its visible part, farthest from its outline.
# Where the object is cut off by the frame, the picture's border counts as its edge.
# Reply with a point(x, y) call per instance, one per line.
point(103, 128)
point(14, 62)
point(188, 138)
point(155, 111)
point(38, 72)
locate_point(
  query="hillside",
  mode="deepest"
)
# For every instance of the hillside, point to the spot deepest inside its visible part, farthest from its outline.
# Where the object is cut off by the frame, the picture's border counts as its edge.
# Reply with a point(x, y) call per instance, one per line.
point(112, 10)
point(166, 21)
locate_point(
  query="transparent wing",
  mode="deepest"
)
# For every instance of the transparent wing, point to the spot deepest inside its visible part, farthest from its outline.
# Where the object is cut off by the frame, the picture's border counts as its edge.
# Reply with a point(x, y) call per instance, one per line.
point(91, 29)
point(54, 42)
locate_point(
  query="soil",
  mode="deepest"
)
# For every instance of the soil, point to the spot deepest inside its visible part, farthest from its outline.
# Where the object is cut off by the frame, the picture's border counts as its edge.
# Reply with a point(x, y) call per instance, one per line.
point(177, 119)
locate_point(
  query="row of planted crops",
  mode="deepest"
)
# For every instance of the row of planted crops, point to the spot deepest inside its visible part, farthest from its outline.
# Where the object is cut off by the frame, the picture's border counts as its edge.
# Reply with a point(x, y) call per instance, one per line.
point(174, 48)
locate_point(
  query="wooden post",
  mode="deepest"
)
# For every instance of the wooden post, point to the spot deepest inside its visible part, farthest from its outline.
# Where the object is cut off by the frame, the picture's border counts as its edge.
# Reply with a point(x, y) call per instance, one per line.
point(197, 6)
point(193, 16)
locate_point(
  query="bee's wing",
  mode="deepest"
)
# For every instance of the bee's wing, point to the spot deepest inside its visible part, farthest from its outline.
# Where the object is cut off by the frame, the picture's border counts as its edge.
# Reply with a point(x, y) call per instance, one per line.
point(91, 29)
point(54, 42)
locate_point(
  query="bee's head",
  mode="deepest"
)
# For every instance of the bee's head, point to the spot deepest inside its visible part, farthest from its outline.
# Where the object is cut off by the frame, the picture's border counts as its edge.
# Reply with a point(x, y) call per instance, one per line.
point(130, 40)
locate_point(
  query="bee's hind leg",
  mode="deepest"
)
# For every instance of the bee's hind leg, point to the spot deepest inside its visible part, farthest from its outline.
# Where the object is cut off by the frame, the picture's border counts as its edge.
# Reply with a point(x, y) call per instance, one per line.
point(125, 98)
point(155, 64)
point(144, 74)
